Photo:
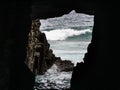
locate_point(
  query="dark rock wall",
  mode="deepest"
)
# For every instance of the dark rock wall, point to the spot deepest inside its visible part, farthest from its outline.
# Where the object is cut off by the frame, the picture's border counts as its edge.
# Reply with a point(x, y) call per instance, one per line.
point(4, 68)
point(100, 68)
point(52, 8)
point(15, 25)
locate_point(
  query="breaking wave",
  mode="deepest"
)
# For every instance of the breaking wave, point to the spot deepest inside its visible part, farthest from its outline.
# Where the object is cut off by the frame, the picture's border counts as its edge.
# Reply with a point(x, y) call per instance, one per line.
point(63, 34)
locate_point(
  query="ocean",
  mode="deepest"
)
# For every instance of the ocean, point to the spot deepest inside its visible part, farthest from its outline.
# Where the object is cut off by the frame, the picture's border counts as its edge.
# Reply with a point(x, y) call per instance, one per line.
point(68, 36)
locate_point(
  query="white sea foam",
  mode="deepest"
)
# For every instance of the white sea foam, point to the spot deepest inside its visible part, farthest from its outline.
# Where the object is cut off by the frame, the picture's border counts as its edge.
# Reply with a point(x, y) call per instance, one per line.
point(53, 78)
point(63, 34)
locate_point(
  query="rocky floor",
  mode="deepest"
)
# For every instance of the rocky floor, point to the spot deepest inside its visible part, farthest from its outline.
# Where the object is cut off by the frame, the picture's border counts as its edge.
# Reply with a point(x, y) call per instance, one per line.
point(56, 78)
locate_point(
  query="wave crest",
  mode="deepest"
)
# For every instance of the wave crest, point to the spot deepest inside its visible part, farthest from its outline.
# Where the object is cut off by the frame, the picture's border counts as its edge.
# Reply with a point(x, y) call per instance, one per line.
point(63, 34)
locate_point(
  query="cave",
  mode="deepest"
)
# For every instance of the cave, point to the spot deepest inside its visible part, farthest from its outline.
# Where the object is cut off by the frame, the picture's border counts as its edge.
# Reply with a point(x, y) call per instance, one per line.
point(68, 37)
point(100, 71)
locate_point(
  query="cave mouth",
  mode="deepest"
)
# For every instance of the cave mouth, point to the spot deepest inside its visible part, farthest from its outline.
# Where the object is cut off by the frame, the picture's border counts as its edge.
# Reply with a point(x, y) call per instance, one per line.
point(68, 36)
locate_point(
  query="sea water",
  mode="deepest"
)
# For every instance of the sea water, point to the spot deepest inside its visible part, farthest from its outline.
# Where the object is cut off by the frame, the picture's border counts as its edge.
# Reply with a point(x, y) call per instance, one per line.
point(68, 36)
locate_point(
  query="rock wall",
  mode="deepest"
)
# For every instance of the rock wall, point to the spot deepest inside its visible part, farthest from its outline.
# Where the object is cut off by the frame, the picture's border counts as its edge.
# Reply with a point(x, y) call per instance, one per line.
point(39, 55)
point(100, 68)
point(14, 27)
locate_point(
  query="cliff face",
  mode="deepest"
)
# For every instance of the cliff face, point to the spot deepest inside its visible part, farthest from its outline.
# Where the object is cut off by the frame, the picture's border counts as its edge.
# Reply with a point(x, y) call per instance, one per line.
point(39, 55)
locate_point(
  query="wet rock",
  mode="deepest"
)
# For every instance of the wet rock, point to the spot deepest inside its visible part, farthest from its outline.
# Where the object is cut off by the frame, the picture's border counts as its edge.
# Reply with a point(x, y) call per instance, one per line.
point(65, 65)
point(39, 55)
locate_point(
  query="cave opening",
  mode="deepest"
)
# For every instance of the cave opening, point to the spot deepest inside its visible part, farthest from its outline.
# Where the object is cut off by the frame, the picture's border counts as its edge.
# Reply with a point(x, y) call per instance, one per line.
point(101, 63)
point(67, 38)
point(69, 34)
